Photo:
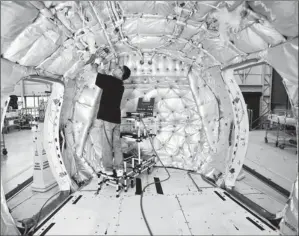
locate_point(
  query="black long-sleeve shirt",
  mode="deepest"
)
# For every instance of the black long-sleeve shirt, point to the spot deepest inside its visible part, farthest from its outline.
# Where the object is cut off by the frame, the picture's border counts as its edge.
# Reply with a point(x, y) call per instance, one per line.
point(113, 90)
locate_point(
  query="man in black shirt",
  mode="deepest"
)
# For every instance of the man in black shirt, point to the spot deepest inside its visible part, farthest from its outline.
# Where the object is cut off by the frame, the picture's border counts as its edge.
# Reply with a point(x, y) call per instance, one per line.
point(110, 117)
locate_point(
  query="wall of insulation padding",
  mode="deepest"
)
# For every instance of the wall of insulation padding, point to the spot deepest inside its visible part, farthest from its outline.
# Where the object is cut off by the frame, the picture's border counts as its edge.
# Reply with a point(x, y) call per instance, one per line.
point(192, 111)
point(81, 103)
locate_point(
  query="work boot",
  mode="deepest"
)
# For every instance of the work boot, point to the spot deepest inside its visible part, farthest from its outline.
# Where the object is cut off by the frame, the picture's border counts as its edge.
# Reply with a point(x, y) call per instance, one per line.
point(108, 172)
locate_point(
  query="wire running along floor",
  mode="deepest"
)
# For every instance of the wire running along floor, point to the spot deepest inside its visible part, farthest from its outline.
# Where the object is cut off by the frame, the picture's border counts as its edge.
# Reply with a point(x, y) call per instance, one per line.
point(180, 210)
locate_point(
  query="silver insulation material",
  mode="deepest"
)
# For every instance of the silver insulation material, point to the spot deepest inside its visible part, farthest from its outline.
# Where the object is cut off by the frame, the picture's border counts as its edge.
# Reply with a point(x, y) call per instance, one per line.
point(8, 225)
point(17, 16)
point(82, 102)
point(289, 222)
point(13, 73)
point(175, 51)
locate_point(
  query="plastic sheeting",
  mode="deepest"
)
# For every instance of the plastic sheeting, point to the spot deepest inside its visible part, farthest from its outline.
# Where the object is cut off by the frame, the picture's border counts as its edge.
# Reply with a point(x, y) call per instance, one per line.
point(283, 15)
point(289, 222)
point(8, 226)
point(11, 73)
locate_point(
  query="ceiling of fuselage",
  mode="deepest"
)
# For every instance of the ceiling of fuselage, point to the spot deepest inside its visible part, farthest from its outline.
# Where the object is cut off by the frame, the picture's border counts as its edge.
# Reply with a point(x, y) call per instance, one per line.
point(54, 35)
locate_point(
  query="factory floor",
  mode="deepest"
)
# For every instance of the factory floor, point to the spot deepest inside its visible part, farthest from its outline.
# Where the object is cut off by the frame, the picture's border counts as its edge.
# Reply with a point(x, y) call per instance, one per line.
point(17, 167)
point(179, 207)
point(278, 165)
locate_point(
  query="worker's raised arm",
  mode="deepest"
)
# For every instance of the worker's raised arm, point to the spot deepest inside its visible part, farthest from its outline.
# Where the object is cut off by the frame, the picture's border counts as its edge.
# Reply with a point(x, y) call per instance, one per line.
point(102, 79)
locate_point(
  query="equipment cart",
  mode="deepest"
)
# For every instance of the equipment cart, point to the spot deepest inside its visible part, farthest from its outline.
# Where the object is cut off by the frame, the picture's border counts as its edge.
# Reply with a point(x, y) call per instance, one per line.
point(282, 129)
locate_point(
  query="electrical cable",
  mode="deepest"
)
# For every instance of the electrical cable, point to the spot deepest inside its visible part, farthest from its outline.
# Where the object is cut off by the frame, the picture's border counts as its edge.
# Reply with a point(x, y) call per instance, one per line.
point(39, 214)
point(189, 172)
point(141, 196)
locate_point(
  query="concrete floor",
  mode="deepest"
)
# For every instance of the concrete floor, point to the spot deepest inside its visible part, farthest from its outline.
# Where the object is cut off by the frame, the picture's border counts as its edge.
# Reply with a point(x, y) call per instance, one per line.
point(17, 166)
point(281, 166)
point(278, 165)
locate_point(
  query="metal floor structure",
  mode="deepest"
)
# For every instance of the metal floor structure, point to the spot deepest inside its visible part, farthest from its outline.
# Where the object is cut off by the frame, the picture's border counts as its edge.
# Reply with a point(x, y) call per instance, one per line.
point(180, 208)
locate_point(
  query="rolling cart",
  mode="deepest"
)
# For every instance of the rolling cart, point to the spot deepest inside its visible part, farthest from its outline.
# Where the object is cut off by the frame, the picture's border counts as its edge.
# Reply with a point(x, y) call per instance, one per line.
point(282, 130)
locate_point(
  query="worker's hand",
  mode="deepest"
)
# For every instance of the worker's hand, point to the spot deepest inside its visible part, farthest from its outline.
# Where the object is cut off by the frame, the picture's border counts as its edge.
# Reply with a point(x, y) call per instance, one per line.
point(103, 53)
point(102, 68)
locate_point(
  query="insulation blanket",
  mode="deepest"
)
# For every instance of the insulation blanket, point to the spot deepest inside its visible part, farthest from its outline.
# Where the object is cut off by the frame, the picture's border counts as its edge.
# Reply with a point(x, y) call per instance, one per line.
point(38, 41)
point(93, 149)
point(248, 41)
point(178, 126)
point(80, 170)
point(219, 49)
point(15, 17)
point(207, 106)
point(70, 16)
point(76, 118)
point(268, 33)
point(85, 108)
point(62, 60)
point(11, 73)
point(285, 21)
point(147, 7)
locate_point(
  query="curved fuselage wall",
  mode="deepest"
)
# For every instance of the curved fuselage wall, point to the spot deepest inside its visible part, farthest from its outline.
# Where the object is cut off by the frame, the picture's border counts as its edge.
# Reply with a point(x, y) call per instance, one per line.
point(192, 108)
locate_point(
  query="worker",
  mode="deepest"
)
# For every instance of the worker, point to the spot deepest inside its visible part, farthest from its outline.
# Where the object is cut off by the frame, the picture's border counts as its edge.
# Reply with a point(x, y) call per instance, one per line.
point(109, 116)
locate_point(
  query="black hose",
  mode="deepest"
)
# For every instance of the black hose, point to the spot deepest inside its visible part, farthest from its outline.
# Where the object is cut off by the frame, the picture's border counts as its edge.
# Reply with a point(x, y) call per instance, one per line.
point(141, 196)
point(39, 214)
point(189, 172)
